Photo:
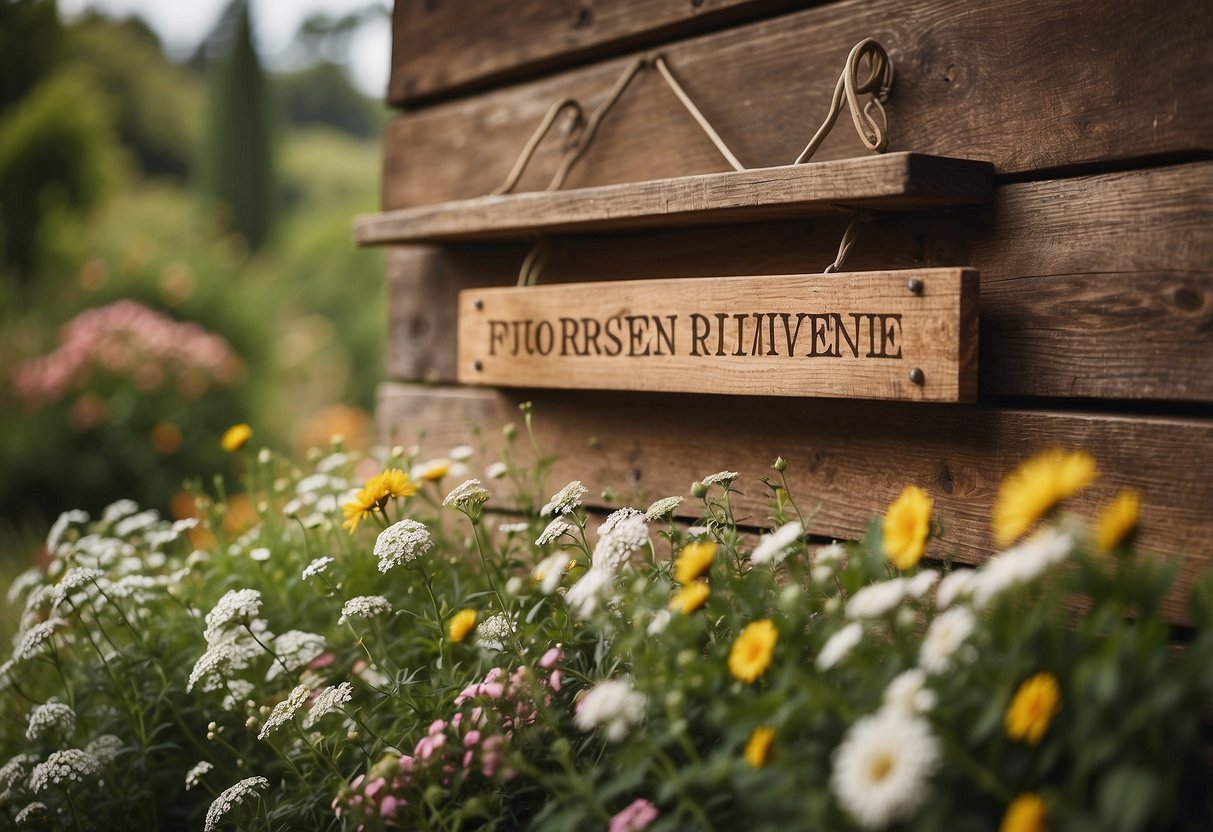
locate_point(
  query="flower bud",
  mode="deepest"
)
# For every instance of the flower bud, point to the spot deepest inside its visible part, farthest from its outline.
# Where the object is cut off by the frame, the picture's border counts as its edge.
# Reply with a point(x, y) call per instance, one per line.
point(780, 465)
point(698, 490)
point(510, 431)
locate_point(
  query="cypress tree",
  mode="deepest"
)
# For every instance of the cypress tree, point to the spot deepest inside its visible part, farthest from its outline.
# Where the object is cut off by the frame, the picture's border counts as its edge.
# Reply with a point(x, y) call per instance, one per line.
point(237, 160)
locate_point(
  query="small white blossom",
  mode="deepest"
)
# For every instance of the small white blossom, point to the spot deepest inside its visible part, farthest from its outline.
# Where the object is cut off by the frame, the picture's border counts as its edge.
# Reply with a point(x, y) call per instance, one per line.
point(513, 528)
point(661, 620)
point(831, 555)
point(402, 542)
point(877, 600)
point(285, 711)
point(1020, 565)
point(466, 494)
point(76, 577)
point(612, 705)
point(53, 719)
point(549, 571)
point(23, 583)
point(773, 547)
point(621, 534)
point(882, 767)
point(106, 748)
point(220, 661)
point(59, 528)
point(839, 645)
point(62, 767)
point(316, 567)
point(461, 453)
point(246, 789)
point(948, 633)
point(585, 596)
point(908, 693)
point(36, 638)
point(662, 508)
point(117, 510)
point(564, 500)
point(698, 531)
point(136, 522)
point(236, 607)
point(494, 631)
point(364, 606)
point(724, 478)
point(496, 470)
point(16, 770)
point(958, 583)
point(194, 776)
point(554, 530)
point(294, 649)
point(260, 554)
point(329, 700)
point(920, 584)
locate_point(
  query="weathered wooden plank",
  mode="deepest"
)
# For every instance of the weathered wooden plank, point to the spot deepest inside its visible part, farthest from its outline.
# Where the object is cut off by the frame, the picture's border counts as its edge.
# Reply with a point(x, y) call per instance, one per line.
point(1034, 86)
point(847, 460)
point(896, 181)
point(1098, 286)
point(440, 48)
point(872, 335)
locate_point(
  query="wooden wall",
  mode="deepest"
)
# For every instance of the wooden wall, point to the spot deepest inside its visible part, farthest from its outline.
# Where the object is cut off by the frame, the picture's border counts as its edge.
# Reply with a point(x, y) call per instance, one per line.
point(1096, 253)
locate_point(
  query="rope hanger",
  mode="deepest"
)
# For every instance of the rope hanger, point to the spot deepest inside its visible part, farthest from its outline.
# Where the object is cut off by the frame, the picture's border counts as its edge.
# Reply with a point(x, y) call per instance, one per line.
point(871, 123)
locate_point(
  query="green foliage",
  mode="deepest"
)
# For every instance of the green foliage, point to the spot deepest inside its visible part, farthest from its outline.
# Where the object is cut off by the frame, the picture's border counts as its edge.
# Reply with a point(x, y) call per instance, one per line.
point(238, 163)
point(57, 153)
point(29, 46)
point(321, 95)
point(329, 664)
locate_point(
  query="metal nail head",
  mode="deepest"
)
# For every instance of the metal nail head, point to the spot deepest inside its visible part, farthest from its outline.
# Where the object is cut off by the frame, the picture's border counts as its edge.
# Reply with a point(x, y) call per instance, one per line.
point(916, 375)
point(478, 303)
point(915, 286)
point(477, 365)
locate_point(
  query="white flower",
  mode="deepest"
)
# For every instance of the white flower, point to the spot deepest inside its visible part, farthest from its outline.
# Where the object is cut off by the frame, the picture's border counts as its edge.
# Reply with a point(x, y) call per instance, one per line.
point(612, 705)
point(662, 508)
point(839, 645)
point(35, 813)
point(832, 555)
point(877, 600)
point(946, 635)
point(106, 748)
point(513, 528)
point(909, 694)
point(285, 710)
point(60, 527)
point(220, 661)
point(920, 584)
point(117, 510)
point(23, 583)
point(312, 484)
point(549, 571)
point(238, 693)
point(36, 638)
point(461, 453)
point(466, 494)
point(295, 649)
point(958, 583)
point(773, 548)
point(724, 478)
point(661, 620)
point(260, 554)
point(564, 500)
point(236, 607)
point(136, 522)
point(246, 789)
point(76, 577)
point(16, 770)
point(882, 768)
point(68, 766)
point(401, 542)
point(1022, 564)
point(364, 606)
point(52, 719)
point(619, 536)
point(493, 632)
point(698, 531)
point(316, 567)
point(194, 776)
point(585, 596)
point(332, 462)
point(496, 470)
point(554, 530)
point(329, 700)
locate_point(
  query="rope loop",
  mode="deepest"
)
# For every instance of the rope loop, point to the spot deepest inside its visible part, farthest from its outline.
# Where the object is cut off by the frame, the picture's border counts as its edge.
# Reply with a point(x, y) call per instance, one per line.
point(873, 131)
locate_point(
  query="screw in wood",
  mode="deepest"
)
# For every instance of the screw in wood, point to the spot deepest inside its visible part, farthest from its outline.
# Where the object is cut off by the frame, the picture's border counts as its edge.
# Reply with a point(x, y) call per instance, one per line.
point(915, 286)
point(478, 303)
point(916, 376)
point(477, 365)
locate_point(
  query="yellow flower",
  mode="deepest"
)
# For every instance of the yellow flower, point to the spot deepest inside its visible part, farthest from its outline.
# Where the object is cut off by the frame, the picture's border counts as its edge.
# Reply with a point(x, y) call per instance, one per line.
point(1025, 814)
point(693, 561)
point(236, 437)
point(1038, 484)
point(1033, 708)
point(906, 526)
point(461, 624)
point(1117, 520)
point(690, 598)
point(757, 747)
point(434, 471)
point(751, 653)
point(374, 496)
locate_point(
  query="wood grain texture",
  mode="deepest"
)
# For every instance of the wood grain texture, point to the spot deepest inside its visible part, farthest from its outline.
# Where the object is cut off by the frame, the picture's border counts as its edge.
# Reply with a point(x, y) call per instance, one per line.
point(1096, 286)
point(847, 459)
point(865, 336)
point(892, 182)
point(440, 48)
point(1027, 86)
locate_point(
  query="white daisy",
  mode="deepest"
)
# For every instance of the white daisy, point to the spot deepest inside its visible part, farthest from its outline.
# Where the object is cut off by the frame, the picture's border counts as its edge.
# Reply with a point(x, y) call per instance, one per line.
point(948, 633)
point(920, 584)
point(908, 692)
point(549, 571)
point(877, 600)
point(612, 705)
point(839, 645)
point(585, 596)
point(958, 583)
point(882, 767)
point(1022, 564)
point(773, 547)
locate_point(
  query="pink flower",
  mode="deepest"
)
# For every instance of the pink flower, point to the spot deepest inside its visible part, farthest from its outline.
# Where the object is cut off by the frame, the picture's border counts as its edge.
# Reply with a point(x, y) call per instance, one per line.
point(550, 658)
point(635, 817)
point(554, 681)
point(389, 807)
point(374, 787)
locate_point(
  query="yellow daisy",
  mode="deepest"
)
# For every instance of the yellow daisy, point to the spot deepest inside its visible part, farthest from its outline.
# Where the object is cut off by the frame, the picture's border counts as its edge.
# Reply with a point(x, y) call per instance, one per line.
point(434, 471)
point(690, 598)
point(758, 746)
point(907, 524)
point(693, 561)
point(1117, 520)
point(1035, 487)
point(236, 437)
point(374, 496)
point(1032, 708)
point(751, 653)
point(461, 624)
point(1025, 814)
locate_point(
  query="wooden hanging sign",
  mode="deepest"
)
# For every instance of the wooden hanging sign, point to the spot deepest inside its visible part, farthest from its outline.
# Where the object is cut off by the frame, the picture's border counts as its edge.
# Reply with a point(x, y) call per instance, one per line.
point(909, 335)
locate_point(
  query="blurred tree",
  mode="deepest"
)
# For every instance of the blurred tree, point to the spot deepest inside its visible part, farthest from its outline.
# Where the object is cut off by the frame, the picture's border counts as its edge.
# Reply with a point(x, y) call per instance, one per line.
point(29, 46)
point(322, 94)
point(237, 161)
